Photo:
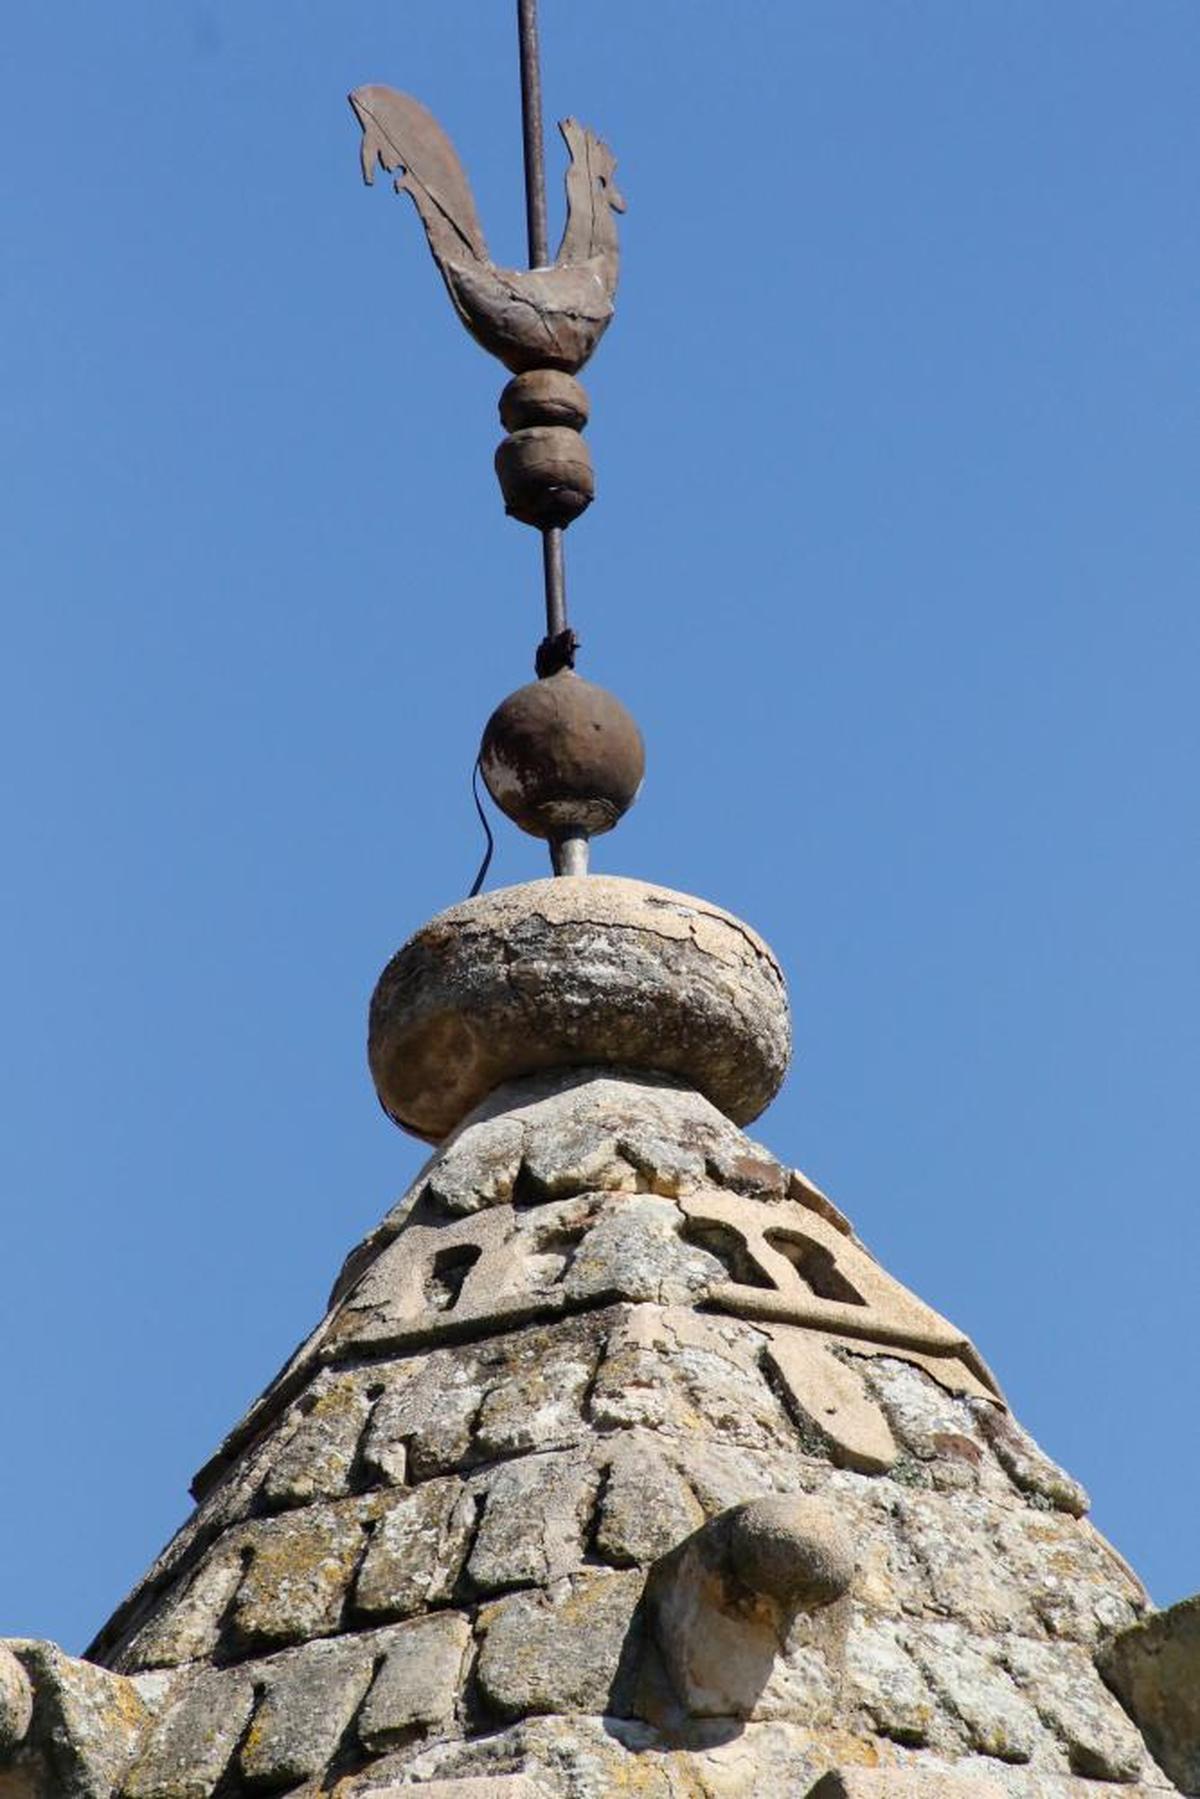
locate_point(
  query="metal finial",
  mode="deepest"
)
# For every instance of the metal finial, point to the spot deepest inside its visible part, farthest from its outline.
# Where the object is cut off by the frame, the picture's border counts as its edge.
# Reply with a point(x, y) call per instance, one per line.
point(543, 323)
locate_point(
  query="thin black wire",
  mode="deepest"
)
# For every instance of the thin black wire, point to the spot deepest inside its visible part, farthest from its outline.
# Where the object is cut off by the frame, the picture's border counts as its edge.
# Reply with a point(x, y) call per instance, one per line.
point(481, 877)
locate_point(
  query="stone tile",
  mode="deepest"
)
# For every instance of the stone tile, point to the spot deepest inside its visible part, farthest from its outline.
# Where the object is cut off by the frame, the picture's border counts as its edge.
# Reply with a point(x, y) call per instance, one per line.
point(186, 1624)
point(934, 1426)
point(884, 1680)
point(300, 1570)
point(634, 1250)
point(1063, 1684)
point(998, 1721)
point(478, 1167)
point(558, 1651)
point(953, 1537)
point(1027, 1465)
point(535, 1516)
point(572, 1156)
point(419, 1682)
point(316, 1461)
point(910, 1783)
point(1076, 1586)
point(646, 1506)
point(422, 1423)
point(16, 1701)
point(741, 1166)
point(311, 1695)
point(537, 1401)
point(416, 1551)
point(663, 1164)
point(1154, 1667)
point(193, 1743)
point(691, 1378)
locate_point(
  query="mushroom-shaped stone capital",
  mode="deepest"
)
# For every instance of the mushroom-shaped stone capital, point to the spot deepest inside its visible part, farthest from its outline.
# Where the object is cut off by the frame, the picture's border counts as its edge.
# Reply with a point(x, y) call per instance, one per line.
point(587, 972)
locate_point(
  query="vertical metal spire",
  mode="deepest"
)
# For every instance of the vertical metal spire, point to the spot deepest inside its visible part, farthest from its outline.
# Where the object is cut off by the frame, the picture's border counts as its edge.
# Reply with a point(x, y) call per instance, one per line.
point(554, 571)
point(531, 122)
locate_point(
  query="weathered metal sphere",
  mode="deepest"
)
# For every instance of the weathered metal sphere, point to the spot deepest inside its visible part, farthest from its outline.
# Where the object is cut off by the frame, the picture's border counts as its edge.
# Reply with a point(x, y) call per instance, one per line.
point(545, 474)
point(562, 756)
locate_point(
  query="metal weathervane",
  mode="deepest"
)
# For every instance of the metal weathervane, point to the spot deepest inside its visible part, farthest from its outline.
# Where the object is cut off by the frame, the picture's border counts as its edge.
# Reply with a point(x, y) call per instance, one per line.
point(561, 757)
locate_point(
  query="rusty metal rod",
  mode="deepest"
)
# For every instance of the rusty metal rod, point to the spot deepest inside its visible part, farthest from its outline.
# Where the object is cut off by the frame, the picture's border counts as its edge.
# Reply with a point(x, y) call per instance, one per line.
point(553, 561)
point(554, 570)
point(568, 855)
point(531, 122)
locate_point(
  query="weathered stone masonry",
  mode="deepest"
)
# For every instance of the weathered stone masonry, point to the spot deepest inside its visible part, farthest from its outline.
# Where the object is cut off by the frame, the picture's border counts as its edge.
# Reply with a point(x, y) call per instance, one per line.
point(618, 1465)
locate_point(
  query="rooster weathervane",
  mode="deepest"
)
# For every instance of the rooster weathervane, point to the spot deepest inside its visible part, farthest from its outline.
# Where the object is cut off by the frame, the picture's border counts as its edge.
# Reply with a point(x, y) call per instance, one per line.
point(561, 757)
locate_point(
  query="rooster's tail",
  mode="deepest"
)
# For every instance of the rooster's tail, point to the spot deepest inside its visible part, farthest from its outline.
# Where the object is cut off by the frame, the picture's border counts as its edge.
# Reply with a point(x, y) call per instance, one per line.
point(400, 133)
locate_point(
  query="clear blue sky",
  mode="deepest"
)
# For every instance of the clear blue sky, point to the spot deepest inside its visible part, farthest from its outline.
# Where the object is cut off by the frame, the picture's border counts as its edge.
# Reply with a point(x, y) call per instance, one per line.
point(896, 560)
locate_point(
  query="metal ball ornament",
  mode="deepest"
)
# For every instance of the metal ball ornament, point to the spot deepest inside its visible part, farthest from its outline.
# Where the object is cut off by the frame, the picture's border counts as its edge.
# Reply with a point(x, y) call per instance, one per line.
point(562, 757)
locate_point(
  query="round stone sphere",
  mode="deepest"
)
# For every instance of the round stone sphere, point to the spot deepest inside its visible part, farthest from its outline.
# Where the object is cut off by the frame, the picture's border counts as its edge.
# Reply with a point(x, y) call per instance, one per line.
point(562, 755)
point(576, 972)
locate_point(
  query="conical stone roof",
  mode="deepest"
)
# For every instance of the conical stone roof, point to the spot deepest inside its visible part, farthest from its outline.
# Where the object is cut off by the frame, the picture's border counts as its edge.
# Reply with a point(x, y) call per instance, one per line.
point(618, 1465)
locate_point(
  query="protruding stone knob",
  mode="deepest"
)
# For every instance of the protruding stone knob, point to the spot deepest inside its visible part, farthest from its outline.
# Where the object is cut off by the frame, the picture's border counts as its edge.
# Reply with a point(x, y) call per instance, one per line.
point(562, 756)
point(791, 1549)
point(576, 973)
point(16, 1701)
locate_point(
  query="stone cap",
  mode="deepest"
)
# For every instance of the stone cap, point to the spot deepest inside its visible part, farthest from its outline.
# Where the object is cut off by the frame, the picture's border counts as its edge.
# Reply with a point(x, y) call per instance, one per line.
point(596, 971)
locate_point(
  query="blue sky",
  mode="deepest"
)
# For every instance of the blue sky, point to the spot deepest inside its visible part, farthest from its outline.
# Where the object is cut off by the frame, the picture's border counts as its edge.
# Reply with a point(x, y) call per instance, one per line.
point(895, 559)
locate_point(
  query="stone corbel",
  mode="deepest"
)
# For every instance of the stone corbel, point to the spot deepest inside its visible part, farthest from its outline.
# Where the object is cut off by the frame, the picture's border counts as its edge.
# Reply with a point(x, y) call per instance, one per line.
point(720, 1606)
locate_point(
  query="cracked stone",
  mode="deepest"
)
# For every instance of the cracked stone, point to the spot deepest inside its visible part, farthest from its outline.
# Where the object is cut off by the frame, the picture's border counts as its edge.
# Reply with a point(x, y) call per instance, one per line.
point(416, 1551)
point(533, 1523)
point(419, 1680)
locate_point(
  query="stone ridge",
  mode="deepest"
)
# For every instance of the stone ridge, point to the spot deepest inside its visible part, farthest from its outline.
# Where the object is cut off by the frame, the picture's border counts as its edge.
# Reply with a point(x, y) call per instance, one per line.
point(476, 1539)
